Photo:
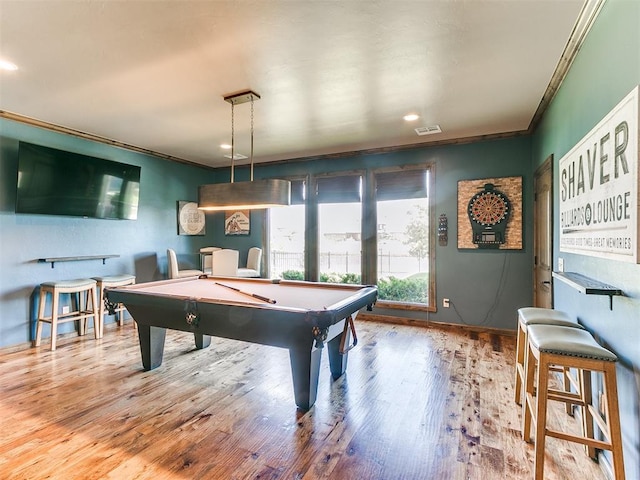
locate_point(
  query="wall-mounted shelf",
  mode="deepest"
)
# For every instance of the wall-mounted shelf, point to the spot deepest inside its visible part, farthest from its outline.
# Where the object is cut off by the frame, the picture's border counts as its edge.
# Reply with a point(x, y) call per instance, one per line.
point(588, 286)
point(53, 260)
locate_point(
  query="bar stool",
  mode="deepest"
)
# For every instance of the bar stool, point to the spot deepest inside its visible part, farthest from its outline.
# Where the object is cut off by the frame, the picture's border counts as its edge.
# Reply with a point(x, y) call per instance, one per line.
point(109, 282)
point(85, 288)
point(537, 316)
point(571, 348)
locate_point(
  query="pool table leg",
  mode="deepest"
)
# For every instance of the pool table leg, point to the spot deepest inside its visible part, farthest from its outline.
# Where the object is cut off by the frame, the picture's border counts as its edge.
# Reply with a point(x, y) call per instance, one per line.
point(338, 361)
point(305, 370)
point(151, 345)
point(202, 341)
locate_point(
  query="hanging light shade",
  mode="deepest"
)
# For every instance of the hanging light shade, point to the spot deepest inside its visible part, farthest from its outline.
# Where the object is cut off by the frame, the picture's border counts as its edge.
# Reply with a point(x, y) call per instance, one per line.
point(254, 194)
point(267, 193)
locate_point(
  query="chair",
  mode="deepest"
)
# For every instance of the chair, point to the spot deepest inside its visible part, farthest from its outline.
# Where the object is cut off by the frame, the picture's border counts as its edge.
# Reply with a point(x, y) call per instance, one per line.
point(86, 307)
point(224, 263)
point(174, 271)
point(205, 258)
point(254, 257)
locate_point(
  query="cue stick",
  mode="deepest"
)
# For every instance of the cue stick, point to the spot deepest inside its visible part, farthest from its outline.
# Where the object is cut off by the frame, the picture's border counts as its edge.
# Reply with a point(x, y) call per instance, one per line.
point(254, 295)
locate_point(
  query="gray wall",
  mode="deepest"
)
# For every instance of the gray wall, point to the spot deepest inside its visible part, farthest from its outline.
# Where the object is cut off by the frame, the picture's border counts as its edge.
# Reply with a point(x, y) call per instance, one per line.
point(606, 70)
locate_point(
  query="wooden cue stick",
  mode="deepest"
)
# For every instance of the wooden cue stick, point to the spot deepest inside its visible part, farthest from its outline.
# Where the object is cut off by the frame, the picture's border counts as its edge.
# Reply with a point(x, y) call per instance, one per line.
point(254, 295)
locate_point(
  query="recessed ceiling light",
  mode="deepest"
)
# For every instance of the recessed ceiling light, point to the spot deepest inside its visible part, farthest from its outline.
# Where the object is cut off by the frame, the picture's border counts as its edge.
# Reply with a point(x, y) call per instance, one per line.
point(7, 65)
point(411, 117)
point(225, 146)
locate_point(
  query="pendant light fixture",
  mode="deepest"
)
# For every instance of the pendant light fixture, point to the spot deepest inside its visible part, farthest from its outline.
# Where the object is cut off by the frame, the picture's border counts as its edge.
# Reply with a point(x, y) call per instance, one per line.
point(254, 194)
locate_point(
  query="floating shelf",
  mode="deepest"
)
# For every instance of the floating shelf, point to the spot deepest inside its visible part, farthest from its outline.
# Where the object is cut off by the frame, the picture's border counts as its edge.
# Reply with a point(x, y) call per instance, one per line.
point(588, 286)
point(53, 260)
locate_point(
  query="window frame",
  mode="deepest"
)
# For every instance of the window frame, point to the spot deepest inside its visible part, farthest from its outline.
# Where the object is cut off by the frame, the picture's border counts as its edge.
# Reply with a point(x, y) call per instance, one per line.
point(391, 304)
point(369, 226)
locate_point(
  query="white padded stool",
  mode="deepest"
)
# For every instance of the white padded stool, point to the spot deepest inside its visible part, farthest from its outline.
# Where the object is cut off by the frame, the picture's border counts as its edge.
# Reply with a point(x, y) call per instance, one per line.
point(108, 282)
point(571, 348)
point(86, 307)
point(537, 316)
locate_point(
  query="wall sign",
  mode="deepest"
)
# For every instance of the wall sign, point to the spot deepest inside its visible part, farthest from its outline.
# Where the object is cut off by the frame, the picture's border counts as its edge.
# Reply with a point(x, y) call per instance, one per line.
point(599, 188)
point(191, 221)
point(237, 222)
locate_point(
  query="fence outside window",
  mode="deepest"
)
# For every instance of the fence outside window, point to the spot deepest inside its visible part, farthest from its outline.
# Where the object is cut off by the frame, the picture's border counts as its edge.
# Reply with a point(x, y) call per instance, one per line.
point(389, 264)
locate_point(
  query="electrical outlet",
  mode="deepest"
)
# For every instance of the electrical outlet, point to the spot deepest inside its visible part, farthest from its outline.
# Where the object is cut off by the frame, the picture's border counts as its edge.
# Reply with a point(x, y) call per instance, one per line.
point(65, 309)
point(445, 302)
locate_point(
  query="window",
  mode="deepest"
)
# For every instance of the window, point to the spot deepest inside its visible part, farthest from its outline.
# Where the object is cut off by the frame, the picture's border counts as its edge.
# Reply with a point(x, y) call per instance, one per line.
point(374, 227)
point(339, 228)
point(286, 236)
point(403, 238)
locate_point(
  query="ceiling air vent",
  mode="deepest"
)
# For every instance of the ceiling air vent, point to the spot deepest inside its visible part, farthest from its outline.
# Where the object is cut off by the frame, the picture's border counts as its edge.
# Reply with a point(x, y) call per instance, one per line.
point(428, 130)
point(238, 156)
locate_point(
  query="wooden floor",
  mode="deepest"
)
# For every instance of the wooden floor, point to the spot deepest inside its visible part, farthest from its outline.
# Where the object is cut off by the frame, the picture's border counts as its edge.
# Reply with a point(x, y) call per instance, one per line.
point(416, 403)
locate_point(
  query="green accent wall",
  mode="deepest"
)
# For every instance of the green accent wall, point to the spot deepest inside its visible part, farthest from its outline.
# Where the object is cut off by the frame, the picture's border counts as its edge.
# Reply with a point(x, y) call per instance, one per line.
point(485, 287)
point(141, 244)
point(606, 69)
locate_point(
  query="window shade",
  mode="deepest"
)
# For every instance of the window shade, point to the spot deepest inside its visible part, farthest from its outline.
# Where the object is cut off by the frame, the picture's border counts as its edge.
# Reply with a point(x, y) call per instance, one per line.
point(401, 185)
point(339, 189)
point(298, 192)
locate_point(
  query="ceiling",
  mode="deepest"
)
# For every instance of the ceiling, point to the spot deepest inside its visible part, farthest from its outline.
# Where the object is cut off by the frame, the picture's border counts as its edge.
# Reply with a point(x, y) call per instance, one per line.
point(333, 76)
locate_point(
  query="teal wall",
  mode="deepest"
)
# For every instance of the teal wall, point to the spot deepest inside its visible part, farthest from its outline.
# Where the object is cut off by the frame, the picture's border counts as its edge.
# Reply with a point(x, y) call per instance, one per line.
point(606, 69)
point(485, 286)
point(141, 243)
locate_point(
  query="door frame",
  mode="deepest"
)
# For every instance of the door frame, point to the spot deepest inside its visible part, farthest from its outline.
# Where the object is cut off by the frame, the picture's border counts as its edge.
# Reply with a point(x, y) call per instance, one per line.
point(545, 169)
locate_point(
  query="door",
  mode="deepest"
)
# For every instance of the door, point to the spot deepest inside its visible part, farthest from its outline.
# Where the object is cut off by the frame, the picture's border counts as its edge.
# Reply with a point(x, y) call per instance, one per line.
point(543, 235)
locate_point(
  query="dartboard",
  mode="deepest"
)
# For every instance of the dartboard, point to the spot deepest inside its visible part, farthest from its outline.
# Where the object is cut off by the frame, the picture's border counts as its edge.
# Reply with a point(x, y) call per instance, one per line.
point(488, 207)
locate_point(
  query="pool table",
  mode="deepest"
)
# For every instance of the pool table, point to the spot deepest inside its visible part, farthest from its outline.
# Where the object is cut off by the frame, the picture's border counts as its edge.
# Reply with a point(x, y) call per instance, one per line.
point(299, 316)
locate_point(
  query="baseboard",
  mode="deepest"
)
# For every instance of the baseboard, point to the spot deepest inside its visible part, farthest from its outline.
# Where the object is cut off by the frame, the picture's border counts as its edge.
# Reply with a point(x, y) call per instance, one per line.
point(427, 323)
point(20, 347)
point(362, 316)
point(15, 348)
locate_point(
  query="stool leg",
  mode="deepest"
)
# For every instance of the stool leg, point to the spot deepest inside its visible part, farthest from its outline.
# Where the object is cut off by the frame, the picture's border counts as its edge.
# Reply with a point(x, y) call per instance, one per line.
point(120, 315)
point(54, 318)
point(612, 413)
point(41, 308)
point(542, 386)
point(567, 388)
point(97, 318)
point(79, 307)
point(587, 418)
point(520, 360)
point(85, 308)
point(527, 404)
point(101, 306)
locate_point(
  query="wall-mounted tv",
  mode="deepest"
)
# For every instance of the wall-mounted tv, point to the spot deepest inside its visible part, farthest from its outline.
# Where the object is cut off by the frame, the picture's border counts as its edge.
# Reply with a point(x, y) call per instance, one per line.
point(55, 182)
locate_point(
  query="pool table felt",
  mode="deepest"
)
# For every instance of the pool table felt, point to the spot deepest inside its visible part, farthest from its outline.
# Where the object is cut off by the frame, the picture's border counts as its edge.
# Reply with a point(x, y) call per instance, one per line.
point(290, 296)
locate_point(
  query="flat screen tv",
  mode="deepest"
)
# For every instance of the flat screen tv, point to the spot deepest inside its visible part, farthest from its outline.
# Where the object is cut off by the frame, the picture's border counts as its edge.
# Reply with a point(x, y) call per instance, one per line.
point(55, 182)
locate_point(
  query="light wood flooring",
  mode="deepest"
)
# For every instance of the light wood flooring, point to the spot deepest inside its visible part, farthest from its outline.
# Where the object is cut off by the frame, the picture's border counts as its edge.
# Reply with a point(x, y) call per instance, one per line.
point(416, 403)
